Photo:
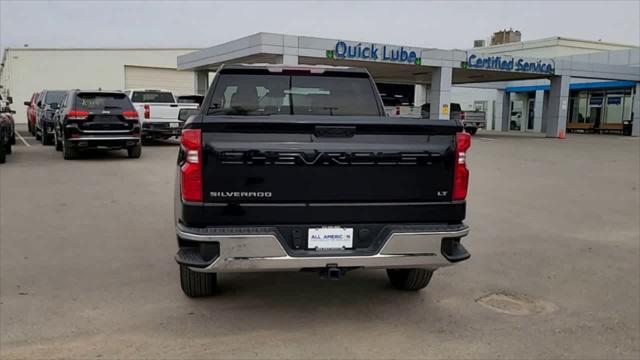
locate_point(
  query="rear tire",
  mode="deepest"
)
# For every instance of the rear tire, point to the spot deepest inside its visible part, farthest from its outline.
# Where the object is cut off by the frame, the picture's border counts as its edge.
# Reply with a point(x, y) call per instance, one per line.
point(57, 142)
point(38, 137)
point(409, 279)
point(197, 284)
point(69, 152)
point(8, 149)
point(134, 152)
point(3, 154)
point(29, 127)
point(47, 139)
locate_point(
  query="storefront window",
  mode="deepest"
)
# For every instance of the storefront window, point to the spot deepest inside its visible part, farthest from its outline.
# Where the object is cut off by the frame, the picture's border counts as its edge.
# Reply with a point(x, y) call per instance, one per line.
point(579, 108)
point(598, 107)
point(517, 109)
point(613, 112)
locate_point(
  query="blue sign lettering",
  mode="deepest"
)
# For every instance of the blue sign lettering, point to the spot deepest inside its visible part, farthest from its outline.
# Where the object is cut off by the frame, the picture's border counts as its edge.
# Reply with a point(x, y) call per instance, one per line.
point(510, 64)
point(370, 52)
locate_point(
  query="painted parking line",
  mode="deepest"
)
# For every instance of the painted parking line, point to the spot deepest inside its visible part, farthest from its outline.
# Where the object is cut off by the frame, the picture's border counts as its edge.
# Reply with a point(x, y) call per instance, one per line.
point(22, 139)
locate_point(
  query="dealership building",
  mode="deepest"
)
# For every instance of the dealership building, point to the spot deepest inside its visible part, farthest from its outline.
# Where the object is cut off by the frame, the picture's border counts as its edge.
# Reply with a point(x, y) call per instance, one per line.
point(547, 86)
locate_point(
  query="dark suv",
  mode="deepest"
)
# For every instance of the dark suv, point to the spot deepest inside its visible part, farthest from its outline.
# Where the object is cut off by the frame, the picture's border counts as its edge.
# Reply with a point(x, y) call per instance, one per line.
point(97, 120)
point(48, 103)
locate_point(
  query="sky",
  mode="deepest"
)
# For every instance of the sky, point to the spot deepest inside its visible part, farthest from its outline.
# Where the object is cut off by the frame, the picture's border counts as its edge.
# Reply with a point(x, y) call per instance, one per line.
point(197, 24)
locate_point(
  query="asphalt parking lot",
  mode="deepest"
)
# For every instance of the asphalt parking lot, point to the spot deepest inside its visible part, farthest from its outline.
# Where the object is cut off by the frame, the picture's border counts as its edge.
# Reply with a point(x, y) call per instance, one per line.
point(87, 269)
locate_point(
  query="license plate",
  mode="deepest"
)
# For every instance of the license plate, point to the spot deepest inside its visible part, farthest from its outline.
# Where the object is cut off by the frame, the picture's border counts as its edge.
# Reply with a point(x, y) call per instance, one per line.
point(174, 125)
point(330, 238)
point(106, 119)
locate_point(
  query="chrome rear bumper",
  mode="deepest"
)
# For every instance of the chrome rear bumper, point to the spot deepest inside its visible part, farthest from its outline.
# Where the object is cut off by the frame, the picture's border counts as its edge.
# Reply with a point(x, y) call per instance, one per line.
point(263, 252)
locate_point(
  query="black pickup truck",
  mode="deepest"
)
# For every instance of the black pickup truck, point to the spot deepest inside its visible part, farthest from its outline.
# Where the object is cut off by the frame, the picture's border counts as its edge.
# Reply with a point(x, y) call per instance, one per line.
point(298, 168)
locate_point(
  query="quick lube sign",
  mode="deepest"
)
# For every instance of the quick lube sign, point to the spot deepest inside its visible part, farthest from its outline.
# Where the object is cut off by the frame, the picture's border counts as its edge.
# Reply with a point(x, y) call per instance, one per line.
point(374, 52)
point(508, 63)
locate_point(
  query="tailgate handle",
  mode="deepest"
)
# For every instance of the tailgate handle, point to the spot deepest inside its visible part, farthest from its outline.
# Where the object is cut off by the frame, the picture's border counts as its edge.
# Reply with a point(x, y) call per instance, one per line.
point(335, 131)
point(173, 105)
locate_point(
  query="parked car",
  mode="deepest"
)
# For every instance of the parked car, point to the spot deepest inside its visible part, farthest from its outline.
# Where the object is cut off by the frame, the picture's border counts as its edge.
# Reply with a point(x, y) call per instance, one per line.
point(31, 113)
point(298, 168)
point(158, 111)
point(471, 120)
point(48, 103)
point(191, 99)
point(96, 120)
point(7, 130)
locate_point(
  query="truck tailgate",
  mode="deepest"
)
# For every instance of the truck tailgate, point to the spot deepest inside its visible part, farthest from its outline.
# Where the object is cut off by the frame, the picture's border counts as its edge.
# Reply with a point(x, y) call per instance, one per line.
point(256, 167)
point(163, 111)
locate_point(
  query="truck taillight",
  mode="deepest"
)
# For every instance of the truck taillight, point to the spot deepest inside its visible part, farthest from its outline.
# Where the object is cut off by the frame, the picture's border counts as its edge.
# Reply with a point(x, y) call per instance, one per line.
point(147, 111)
point(77, 115)
point(461, 173)
point(191, 170)
point(130, 114)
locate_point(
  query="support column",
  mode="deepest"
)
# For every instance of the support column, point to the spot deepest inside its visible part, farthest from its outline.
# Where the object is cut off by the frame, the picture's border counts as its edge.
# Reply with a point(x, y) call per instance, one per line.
point(201, 80)
point(558, 104)
point(538, 105)
point(545, 112)
point(503, 109)
point(290, 59)
point(441, 93)
point(290, 49)
point(635, 130)
point(420, 95)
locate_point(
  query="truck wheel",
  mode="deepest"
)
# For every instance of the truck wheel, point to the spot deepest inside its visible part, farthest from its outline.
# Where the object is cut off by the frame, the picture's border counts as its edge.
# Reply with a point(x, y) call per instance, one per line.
point(69, 152)
point(37, 134)
point(29, 127)
point(197, 284)
point(134, 152)
point(8, 149)
point(46, 139)
point(409, 279)
point(3, 154)
point(57, 142)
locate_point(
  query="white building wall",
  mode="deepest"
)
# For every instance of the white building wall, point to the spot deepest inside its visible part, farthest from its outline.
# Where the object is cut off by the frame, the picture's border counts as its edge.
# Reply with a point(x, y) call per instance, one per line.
point(29, 70)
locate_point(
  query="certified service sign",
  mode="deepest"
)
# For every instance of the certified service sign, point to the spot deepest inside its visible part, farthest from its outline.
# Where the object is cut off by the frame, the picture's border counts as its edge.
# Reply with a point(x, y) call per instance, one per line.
point(509, 63)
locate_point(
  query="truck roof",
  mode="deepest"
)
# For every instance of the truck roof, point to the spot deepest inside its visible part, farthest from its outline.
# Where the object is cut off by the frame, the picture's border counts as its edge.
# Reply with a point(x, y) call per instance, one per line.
point(302, 67)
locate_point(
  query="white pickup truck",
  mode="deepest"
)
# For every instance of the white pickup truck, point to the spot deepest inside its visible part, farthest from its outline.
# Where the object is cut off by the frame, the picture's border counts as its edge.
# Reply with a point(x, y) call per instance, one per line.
point(158, 111)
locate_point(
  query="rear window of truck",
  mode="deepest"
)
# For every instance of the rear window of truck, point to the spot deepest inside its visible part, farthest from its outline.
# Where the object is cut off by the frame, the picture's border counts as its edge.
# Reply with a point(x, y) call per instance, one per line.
point(102, 101)
point(263, 95)
point(152, 97)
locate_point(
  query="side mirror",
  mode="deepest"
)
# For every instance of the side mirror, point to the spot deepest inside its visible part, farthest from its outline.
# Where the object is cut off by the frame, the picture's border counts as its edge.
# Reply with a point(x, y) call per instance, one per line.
point(39, 104)
point(27, 103)
point(10, 100)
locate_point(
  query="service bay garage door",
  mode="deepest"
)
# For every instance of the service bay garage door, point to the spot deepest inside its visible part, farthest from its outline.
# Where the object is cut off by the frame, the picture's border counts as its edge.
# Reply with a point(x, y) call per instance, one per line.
point(142, 77)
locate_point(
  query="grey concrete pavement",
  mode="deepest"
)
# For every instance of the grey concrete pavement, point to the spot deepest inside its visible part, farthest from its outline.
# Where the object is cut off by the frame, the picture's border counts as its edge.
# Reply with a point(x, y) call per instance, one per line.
point(87, 269)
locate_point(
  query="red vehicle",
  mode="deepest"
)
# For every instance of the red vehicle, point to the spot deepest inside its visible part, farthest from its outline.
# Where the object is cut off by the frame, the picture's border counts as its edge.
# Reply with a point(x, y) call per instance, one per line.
point(31, 112)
